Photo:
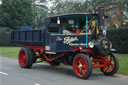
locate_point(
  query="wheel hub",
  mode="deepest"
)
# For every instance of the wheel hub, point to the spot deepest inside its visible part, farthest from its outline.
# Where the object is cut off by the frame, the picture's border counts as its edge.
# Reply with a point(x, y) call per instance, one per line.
point(80, 66)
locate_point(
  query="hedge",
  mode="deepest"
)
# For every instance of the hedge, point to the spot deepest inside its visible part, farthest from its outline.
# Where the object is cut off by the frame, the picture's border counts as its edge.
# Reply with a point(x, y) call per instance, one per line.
point(5, 39)
point(119, 39)
point(5, 34)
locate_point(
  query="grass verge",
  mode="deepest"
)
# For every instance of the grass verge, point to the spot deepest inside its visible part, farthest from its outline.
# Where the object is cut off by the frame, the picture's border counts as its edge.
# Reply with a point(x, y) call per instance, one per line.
point(11, 52)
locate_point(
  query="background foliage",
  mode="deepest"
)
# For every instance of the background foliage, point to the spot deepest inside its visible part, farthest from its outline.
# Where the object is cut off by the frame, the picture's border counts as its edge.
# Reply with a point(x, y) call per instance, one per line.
point(16, 13)
point(5, 37)
point(119, 39)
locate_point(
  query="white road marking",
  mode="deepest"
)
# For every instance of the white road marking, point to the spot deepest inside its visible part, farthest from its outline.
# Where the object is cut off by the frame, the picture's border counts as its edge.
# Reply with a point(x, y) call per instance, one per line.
point(3, 73)
point(37, 84)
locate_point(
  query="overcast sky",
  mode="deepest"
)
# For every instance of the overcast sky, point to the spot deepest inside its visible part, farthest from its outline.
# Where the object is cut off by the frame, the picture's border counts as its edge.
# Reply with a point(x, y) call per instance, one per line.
point(0, 2)
point(64, 0)
point(75, 0)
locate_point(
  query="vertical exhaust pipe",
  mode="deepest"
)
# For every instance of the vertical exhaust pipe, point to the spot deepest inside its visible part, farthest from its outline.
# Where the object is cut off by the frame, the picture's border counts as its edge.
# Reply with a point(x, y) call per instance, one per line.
point(101, 19)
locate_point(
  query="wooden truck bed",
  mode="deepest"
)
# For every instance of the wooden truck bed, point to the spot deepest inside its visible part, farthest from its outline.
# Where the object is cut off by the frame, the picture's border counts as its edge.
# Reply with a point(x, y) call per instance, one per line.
point(28, 37)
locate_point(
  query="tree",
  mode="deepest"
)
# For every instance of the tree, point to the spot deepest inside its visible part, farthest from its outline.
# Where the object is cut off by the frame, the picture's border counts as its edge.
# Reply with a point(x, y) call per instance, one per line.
point(64, 7)
point(16, 13)
point(40, 11)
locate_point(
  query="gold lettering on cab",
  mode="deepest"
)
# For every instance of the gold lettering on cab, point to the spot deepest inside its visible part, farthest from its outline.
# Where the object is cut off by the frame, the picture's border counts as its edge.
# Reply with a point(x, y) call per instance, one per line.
point(69, 40)
point(58, 39)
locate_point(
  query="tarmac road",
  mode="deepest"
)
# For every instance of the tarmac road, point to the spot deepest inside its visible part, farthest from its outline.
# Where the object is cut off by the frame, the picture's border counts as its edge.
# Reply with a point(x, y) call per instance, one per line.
point(44, 74)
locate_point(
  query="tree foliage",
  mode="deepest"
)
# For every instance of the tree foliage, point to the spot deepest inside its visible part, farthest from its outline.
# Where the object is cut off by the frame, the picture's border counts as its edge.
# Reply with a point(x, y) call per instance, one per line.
point(16, 13)
point(88, 6)
point(40, 11)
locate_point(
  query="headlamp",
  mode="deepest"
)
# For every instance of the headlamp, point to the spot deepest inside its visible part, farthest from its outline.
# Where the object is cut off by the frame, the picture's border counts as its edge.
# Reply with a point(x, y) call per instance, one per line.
point(91, 44)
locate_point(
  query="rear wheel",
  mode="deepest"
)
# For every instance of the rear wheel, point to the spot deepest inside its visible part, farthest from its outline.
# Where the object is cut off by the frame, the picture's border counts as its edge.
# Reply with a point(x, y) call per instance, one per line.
point(34, 55)
point(82, 66)
point(112, 65)
point(25, 58)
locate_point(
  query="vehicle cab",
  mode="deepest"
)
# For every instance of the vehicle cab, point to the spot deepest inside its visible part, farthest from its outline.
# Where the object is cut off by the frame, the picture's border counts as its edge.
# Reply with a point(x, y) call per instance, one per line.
point(64, 32)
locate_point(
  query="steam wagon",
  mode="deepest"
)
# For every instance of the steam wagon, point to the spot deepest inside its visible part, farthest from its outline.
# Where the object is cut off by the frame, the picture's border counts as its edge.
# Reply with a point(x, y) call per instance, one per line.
point(73, 39)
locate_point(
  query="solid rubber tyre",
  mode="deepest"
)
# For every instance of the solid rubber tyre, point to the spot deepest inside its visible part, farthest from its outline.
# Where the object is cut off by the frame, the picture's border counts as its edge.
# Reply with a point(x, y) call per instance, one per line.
point(82, 66)
point(115, 68)
point(25, 58)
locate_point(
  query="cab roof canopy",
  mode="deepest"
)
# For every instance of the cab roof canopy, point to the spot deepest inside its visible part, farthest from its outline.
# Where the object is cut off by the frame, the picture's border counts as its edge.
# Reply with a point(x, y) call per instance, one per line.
point(75, 15)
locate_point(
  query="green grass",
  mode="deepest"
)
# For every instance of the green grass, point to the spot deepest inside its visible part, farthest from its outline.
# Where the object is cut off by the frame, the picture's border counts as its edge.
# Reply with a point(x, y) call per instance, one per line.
point(12, 52)
point(123, 63)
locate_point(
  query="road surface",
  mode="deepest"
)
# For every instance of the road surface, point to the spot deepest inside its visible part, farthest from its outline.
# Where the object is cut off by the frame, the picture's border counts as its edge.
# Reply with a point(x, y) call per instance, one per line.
point(44, 74)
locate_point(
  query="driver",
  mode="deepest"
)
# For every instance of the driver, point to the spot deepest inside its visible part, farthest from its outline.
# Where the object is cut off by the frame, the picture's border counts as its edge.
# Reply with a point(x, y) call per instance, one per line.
point(92, 26)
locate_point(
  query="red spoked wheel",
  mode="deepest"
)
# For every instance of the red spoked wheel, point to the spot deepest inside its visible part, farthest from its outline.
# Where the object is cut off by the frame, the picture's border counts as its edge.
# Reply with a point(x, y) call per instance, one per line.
point(112, 65)
point(82, 66)
point(25, 58)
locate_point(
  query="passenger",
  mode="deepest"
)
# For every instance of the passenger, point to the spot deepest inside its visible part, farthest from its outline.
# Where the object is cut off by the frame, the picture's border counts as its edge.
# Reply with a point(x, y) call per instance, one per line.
point(74, 29)
point(66, 31)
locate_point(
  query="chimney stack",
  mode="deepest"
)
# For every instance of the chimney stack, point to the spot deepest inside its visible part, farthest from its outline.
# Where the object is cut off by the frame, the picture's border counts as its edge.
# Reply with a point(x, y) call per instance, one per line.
point(101, 16)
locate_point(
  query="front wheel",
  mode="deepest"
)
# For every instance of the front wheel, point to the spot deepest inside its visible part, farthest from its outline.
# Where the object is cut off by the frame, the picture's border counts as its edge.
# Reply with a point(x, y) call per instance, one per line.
point(112, 65)
point(82, 66)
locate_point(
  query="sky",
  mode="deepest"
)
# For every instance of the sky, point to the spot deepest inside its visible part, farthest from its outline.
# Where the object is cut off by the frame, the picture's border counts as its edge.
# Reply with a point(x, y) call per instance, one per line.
point(62, 0)
point(0, 2)
point(76, 0)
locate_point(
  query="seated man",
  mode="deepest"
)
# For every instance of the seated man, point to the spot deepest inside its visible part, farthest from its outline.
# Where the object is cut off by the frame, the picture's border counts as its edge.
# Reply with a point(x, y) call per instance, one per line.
point(91, 26)
point(75, 30)
point(66, 31)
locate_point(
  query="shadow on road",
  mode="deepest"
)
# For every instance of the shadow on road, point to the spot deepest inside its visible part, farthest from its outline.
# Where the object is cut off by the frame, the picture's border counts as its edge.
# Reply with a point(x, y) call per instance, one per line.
point(67, 71)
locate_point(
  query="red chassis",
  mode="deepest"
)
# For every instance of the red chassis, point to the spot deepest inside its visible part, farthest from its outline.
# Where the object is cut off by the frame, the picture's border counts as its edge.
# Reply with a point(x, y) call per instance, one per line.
point(41, 49)
point(96, 59)
point(82, 61)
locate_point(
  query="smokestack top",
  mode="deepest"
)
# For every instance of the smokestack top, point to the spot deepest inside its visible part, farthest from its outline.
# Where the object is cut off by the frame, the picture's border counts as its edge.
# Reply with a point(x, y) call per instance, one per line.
point(100, 9)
